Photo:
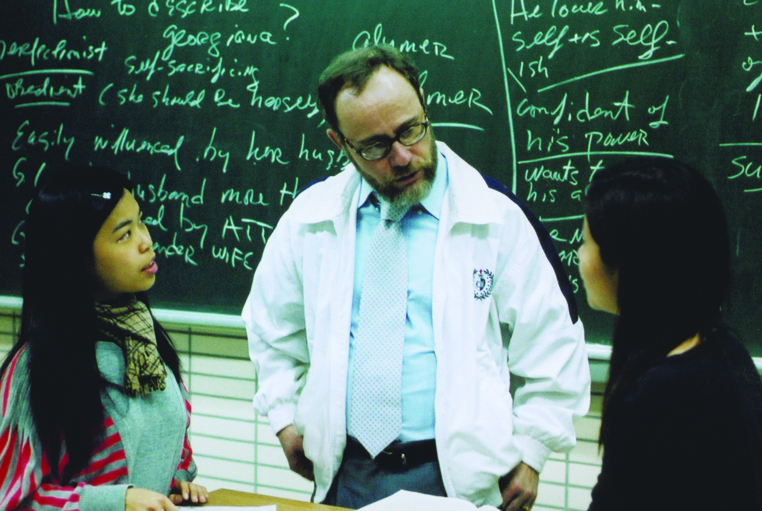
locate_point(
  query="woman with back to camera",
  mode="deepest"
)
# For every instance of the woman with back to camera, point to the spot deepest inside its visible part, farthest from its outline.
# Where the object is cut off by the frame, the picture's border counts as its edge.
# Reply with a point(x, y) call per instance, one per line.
point(94, 413)
point(681, 425)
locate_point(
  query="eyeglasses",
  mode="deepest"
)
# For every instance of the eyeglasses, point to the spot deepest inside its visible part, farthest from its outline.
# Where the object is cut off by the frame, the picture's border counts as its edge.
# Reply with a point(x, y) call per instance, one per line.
point(380, 149)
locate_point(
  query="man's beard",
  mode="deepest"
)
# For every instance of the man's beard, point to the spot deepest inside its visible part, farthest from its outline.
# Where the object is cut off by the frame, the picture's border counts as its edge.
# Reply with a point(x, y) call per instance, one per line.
point(410, 195)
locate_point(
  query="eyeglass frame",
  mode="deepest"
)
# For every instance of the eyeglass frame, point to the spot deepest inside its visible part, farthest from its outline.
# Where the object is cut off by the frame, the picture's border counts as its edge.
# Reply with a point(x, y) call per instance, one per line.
point(425, 123)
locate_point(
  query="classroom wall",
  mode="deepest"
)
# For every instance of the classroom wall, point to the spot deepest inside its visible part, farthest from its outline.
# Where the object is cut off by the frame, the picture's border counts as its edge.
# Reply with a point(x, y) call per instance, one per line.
point(535, 94)
point(237, 450)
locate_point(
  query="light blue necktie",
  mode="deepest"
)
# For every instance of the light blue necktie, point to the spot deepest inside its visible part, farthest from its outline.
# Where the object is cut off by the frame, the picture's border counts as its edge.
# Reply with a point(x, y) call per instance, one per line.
point(375, 417)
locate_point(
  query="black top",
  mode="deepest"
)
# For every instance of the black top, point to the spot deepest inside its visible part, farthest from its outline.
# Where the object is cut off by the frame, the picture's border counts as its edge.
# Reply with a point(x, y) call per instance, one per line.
point(688, 436)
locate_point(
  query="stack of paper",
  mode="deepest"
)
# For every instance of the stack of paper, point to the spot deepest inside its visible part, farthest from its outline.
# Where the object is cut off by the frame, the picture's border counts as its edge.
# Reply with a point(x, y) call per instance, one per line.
point(411, 501)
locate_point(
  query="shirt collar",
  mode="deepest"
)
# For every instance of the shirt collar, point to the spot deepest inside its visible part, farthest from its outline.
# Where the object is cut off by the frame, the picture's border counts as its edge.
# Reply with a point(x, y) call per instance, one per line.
point(433, 201)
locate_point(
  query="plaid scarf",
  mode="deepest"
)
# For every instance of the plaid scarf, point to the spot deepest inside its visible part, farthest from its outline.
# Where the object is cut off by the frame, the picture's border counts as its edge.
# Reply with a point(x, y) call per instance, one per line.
point(129, 325)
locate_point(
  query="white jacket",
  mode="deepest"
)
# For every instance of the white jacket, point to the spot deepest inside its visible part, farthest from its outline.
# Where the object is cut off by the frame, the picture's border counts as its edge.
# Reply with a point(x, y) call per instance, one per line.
point(512, 369)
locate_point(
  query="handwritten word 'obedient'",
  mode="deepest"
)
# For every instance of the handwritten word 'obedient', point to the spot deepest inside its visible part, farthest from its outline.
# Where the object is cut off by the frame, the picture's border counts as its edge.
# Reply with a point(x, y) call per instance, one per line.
point(22, 89)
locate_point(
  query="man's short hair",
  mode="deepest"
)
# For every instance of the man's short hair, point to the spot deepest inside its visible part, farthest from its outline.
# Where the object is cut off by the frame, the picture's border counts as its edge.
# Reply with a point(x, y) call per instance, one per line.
point(354, 68)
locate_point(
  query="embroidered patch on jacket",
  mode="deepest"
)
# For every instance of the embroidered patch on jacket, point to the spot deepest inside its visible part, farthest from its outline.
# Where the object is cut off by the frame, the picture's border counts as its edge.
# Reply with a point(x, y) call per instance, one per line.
point(482, 284)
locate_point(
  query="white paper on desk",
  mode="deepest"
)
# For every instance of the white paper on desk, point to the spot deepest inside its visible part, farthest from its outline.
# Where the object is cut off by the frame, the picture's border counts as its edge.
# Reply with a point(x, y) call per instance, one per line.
point(269, 507)
point(412, 501)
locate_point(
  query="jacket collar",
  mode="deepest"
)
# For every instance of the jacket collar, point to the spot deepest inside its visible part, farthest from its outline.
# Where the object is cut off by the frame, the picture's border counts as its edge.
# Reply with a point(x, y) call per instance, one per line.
point(469, 200)
point(327, 200)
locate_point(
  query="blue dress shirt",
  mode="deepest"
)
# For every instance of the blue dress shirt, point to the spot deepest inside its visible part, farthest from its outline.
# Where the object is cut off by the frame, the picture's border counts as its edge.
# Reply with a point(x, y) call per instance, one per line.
point(419, 226)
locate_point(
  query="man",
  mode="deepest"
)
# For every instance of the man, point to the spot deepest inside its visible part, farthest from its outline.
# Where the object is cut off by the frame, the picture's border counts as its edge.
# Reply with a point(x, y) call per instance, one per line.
point(484, 368)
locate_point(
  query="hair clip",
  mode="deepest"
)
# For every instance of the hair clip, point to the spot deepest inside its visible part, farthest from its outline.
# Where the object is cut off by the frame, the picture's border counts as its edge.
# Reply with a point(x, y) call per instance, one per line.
point(105, 195)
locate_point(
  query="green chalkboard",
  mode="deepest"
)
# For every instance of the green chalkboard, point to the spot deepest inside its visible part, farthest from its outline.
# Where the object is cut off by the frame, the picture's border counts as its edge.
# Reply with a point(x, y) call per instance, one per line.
point(210, 106)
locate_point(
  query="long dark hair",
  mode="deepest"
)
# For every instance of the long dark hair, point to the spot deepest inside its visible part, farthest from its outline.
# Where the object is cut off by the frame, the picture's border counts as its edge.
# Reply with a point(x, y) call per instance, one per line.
point(58, 320)
point(660, 224)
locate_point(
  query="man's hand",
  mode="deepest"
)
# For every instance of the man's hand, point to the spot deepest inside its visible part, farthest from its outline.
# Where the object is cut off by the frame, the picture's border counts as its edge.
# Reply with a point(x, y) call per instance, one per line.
point(519, 488)
point(190, 493)
point(139, 499)
point(292, 446)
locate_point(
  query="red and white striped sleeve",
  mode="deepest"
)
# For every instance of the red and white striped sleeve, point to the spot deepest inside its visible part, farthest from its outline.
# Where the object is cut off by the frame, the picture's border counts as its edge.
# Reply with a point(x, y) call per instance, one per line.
point(186, 469)
point(27, 482)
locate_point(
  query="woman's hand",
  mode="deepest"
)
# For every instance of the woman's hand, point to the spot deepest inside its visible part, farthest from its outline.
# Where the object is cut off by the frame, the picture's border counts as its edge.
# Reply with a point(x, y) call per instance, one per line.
point(185, 492)
point(139, 499)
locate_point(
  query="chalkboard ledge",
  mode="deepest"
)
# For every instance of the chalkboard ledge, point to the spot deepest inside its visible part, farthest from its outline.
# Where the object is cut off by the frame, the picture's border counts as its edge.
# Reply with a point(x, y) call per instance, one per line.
point(201, 319)
point(598, 354)
point(184, 318)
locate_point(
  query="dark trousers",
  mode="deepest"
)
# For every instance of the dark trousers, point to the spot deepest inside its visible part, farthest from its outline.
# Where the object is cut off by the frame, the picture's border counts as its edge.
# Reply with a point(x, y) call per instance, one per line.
point(361, 481)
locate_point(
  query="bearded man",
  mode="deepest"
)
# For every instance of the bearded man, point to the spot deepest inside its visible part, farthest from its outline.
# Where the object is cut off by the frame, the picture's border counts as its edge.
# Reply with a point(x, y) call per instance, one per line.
point(411, 325)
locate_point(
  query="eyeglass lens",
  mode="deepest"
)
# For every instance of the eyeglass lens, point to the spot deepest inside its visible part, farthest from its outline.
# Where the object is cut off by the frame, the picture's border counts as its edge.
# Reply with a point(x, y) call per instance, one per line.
point(407, 138)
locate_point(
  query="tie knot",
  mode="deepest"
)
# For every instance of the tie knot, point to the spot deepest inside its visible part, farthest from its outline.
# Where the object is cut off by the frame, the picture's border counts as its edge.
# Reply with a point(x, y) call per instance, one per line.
point(393, 211)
